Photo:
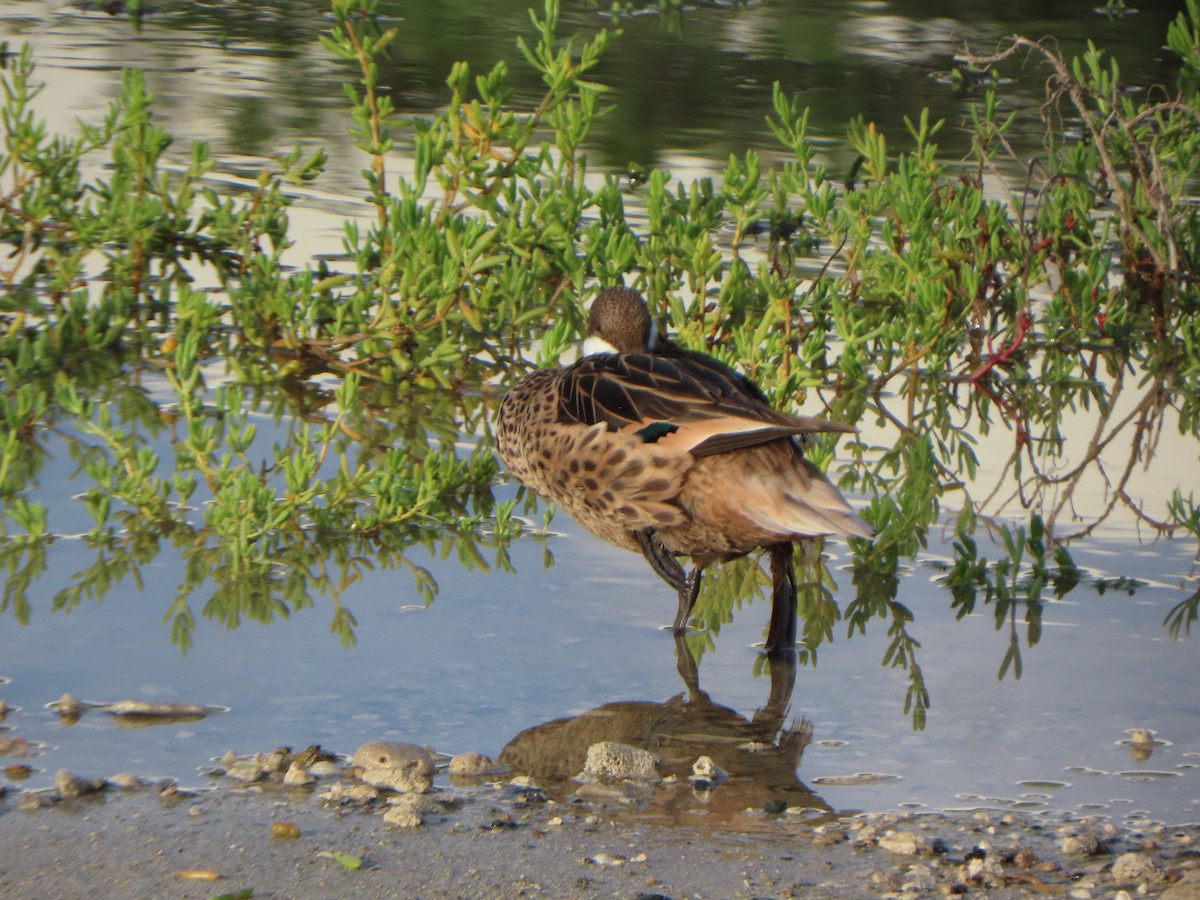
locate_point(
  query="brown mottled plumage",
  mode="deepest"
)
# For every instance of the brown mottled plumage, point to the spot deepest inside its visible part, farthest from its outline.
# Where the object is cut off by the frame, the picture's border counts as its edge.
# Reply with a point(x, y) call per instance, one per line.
point(671, 453)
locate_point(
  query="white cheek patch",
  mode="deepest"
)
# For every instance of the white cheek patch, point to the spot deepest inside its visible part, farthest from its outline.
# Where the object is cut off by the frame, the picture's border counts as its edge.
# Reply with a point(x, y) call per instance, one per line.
point(594, 344)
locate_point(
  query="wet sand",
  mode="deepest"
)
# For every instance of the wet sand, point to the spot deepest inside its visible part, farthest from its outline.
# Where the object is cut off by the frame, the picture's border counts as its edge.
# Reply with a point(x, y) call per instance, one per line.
point(491, 843)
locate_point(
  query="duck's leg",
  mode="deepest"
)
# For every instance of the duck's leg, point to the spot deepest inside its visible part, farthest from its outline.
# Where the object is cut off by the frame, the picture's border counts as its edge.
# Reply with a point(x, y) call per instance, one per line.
point(781, 634)
point(662, 561)
point(687, 599)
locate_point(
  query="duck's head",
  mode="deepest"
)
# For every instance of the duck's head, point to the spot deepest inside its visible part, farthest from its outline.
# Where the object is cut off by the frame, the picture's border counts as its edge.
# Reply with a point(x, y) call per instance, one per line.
point(619, 322)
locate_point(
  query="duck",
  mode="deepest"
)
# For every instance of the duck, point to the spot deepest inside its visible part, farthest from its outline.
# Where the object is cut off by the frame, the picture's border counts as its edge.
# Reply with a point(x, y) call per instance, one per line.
point(670, 453)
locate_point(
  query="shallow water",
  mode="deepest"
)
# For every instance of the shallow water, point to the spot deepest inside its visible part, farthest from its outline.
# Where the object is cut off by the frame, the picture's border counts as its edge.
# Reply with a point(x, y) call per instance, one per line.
point(498, 654)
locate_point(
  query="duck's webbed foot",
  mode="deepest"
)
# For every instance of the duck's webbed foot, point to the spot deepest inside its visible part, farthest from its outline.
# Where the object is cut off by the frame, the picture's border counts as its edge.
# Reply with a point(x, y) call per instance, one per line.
point(686, 584)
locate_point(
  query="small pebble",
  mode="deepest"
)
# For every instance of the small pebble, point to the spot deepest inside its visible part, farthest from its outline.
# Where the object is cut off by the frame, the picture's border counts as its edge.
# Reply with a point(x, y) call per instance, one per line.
point(281, 829)
point(246, 771)
point(68, 784)
point(15, 746)
point(341, 792)
point(67, 705)
point(1080, 845)
point(1140, 868)
point(312, 755)
point(274, 762)
point(1141, 738)
point(905, 843)
point(169, 788)
point(298, 776)
point(33, 802)
point(403, 817)
point(472, 763)
point(704, 769)
point(606, 859)
point(983, 870)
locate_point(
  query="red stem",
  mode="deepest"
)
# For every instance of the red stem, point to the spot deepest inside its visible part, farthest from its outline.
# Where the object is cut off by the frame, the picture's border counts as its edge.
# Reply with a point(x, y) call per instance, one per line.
point(1022, 328)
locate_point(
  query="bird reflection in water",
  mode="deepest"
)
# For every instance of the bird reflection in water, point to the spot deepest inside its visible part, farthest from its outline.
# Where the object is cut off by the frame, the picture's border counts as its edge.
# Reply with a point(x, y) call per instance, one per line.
point(761, 753)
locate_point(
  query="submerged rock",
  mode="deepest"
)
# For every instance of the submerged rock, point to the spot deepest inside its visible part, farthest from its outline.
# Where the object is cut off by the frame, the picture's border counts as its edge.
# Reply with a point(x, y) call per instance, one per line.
point(623, 792)
point(475, 764)
point(394, 755)
point(164, 710)
point(612, 760)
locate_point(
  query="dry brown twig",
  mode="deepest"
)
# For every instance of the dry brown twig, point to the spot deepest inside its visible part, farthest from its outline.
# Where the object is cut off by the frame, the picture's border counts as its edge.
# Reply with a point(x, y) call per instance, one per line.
point(1142, 164)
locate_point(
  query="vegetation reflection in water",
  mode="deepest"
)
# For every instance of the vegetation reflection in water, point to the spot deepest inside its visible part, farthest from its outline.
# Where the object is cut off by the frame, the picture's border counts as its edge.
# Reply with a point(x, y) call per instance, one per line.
point(943, 305)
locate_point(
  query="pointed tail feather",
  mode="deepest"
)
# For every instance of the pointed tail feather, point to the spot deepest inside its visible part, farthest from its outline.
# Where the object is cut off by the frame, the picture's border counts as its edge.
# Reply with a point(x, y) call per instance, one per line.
point(805, 507)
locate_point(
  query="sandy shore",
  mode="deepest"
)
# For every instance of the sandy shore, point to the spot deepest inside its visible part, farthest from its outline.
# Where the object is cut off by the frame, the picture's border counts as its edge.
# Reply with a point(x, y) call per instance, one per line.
point(491, 841)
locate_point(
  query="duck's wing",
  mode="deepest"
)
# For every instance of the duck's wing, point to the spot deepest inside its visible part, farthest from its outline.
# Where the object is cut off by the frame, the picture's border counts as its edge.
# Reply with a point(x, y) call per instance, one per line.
point(677, 399)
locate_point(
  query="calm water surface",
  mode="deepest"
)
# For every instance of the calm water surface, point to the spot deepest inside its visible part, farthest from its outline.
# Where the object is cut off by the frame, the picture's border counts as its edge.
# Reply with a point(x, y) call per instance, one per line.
point(498, 654)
